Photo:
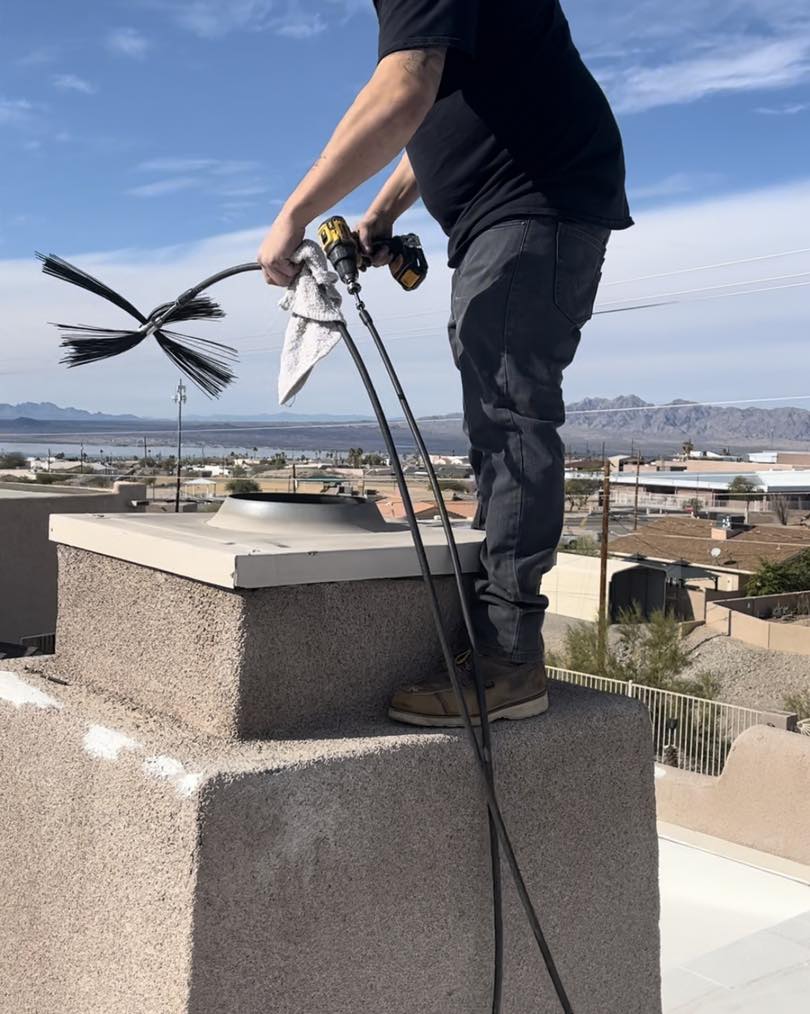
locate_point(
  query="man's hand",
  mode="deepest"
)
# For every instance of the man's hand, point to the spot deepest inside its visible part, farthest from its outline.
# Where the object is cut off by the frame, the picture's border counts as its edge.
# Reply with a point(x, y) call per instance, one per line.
point(371, 230)
point(283, 239)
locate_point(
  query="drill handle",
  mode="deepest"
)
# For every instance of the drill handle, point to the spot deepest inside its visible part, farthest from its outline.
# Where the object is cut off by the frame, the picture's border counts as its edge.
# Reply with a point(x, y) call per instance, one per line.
point(408, 264)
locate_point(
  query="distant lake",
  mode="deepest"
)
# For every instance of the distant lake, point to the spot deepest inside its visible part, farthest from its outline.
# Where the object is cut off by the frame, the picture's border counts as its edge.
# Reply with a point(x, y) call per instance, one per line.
point(191, 449)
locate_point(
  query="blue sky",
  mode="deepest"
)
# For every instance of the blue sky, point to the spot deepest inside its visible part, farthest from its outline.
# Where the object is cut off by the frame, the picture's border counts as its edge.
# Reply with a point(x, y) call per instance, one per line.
point(151, 134)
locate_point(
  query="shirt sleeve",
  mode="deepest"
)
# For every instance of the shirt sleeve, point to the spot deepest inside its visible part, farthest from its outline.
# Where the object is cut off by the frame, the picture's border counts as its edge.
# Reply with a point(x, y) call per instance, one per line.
point(413, 24)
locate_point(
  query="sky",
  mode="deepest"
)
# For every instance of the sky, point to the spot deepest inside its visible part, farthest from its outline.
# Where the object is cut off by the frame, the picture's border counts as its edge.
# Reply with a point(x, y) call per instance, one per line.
point(153, 141)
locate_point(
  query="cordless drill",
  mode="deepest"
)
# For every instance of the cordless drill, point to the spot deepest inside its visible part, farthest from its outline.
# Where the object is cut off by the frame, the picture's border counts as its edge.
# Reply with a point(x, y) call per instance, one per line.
point(342, 248)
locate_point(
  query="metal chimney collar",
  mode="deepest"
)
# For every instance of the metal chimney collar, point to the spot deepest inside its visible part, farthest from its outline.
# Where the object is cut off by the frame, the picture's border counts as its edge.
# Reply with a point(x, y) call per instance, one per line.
point(300, 513)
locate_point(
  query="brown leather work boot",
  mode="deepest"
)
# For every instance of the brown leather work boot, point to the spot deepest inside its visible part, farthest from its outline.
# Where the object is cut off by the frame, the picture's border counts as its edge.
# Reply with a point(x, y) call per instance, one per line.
point(513, 690)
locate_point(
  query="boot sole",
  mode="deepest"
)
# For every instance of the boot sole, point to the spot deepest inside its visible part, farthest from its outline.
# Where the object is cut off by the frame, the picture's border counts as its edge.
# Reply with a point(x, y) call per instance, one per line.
point(513, 712)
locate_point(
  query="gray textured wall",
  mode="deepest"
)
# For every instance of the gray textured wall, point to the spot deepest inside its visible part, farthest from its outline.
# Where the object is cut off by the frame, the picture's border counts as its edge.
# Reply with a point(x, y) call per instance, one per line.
point(28, 559)
point(341, 875)
point(271, 661)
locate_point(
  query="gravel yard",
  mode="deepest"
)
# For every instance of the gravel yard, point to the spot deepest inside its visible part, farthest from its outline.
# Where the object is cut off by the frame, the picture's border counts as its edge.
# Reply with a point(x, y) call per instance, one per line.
point(752, 677)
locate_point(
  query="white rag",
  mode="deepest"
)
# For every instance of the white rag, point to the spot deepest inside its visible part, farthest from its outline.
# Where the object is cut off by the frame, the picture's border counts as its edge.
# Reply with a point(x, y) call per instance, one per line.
point(312, 331)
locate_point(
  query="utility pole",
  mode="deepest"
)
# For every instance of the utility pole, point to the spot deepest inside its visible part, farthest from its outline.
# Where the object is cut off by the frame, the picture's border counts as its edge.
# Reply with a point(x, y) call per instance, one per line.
point(81, 459)
point(635, 506)
point(179, 400)
point(145, 455)
point(602, 628)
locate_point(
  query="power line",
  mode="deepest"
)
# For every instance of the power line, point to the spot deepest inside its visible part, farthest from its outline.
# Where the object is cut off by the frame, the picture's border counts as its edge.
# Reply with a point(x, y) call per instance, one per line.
point(711, 267)
point(714, 288)
point(661, 299)
point(626, 281)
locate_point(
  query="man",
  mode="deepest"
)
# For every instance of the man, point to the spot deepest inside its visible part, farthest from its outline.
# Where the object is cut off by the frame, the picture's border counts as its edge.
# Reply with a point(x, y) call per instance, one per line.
point(514, 150)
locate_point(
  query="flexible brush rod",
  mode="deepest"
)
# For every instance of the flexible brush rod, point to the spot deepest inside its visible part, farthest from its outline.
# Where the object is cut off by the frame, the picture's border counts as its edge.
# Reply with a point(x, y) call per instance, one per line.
point(155, 322)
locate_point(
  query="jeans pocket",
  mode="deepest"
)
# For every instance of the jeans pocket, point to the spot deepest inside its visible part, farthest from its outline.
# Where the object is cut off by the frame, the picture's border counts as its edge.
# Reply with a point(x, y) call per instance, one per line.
point(578, 270)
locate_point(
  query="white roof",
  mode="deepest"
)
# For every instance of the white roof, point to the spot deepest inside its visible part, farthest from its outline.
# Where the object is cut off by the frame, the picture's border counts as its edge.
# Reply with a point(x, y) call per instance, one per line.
point(790, 480)
point(735, 928)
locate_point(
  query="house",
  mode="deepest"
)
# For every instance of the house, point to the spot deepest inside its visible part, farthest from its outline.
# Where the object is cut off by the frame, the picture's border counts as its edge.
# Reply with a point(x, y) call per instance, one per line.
point(727, 555)
point(677, 488)
point(426, 510)
point(572, 587)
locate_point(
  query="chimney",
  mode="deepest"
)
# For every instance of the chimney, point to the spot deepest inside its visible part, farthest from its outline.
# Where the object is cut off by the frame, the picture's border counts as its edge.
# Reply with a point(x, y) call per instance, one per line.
point(726, 526)
point(211, 766)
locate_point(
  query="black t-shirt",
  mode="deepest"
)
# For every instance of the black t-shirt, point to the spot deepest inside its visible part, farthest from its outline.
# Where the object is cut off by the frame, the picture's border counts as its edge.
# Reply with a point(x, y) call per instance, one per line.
point(519, 127)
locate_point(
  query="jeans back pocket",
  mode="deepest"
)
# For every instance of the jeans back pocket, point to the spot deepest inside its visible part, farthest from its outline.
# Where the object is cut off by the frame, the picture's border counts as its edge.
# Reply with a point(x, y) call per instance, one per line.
point(578, 271)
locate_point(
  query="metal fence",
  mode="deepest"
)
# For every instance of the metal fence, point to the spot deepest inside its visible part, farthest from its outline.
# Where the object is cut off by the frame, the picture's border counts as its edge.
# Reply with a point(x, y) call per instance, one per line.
point(688, 732)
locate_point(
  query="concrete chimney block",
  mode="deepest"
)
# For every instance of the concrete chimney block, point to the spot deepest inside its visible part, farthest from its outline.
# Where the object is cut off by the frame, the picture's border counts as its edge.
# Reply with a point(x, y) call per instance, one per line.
point(151, 868)
point(246, 663)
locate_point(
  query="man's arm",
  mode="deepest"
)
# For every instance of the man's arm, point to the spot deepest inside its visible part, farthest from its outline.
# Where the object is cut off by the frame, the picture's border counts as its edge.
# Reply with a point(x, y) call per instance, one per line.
point(397, 195)
point(381, 121)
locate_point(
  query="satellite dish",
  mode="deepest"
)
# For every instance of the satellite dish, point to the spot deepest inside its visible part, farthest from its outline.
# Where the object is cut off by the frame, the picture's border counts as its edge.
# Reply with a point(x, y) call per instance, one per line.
point(716, 552)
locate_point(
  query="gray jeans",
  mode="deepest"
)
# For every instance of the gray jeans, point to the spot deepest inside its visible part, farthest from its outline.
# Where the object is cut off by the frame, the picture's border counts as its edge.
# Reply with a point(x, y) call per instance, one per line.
point(520, 297)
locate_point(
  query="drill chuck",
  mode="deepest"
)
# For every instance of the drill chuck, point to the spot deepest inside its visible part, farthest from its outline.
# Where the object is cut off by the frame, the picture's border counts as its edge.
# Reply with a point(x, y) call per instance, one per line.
point(340, 246)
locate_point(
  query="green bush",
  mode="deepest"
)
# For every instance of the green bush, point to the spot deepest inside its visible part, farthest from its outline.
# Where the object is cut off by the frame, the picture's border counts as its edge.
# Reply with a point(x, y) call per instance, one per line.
point(799, 703)
point(780, 578)
point(650, 653)
point(579, 491)
point(585, 545)
point(13, 459)
point(243, 486)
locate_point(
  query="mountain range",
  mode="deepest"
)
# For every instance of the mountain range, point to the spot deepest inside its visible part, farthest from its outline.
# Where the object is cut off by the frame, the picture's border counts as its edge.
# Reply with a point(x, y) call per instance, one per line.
point(618, 422)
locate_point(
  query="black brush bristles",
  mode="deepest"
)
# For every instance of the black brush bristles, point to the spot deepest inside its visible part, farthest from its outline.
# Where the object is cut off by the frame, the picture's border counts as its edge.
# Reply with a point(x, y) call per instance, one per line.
point(199, 308)
point(85, 344)
point(210, 372)
point(204, 362)
point(66, 272)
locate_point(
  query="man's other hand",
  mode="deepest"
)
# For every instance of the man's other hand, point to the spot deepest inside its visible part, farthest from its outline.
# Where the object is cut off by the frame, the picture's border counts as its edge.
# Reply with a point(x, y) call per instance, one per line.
point(279, 245)
point(372, 230)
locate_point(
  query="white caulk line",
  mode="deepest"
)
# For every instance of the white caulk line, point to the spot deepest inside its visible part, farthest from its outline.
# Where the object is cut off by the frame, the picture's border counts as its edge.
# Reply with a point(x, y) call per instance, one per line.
point(172, 770)
point(106, 744)
point(18, 692)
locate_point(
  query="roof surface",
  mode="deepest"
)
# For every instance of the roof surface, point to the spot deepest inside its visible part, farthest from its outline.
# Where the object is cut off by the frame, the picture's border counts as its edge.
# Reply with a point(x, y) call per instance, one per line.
point(735, 934)
point(687, 538)
point(787, 480)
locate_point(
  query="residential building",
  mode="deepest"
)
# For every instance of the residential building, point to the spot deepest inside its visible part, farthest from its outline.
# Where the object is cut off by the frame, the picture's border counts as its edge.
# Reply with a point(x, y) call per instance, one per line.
point(572, 587)
point(677, 488)
point(727, 556)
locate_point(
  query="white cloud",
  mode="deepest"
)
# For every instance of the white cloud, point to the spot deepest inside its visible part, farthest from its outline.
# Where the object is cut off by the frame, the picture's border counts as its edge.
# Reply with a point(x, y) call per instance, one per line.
point(15, 111)
point(220, 178)
point(217, 167)
point(650, 53)
point(293, 19)
point(211, 19)
point(128, 42)
point(735, 68)
point(789, 109)
point(37, 57)
point(243, 190)
point(160, 188)
point(73, 83)
point(300, 25)
point(749, 346)
point(675, 185)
